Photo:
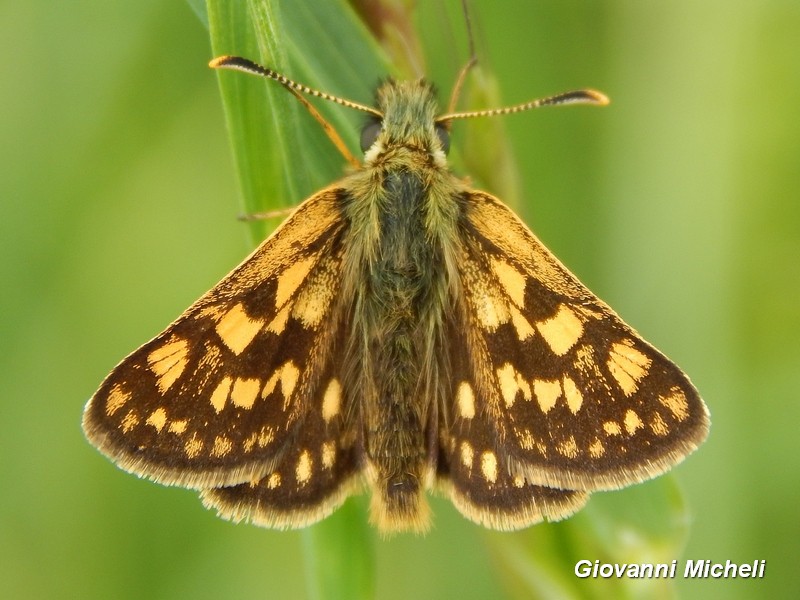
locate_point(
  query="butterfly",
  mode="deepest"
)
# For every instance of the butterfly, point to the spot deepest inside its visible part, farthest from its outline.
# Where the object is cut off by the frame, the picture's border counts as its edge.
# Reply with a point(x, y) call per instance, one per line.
point(400, 332)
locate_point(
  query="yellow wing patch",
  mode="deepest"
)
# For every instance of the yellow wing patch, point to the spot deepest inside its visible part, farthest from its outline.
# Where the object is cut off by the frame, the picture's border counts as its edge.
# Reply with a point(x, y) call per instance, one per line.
point(237, 329)
point(169, 361)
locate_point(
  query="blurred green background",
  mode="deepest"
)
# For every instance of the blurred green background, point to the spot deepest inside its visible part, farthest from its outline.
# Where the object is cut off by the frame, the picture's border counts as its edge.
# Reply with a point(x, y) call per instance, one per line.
point(677, 204)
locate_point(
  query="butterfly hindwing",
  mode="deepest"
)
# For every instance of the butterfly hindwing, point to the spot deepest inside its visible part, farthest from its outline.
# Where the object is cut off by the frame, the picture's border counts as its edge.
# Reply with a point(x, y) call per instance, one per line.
point(473, 465)
point(213, 400)
point(318, 469)
point(577, 398)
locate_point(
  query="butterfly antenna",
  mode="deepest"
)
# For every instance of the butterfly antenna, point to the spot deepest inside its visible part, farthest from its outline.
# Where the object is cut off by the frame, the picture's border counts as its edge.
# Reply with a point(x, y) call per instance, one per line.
point(238, 63)
point(574, 97)
point(473, 60)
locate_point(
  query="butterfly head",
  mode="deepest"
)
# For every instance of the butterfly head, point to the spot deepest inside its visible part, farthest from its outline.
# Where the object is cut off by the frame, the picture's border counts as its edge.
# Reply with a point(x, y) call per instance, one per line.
point(408, 122)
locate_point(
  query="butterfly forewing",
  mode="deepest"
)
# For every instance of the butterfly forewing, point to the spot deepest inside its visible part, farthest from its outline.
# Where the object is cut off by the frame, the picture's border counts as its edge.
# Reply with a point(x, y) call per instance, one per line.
point(215, 399)
point(578, 399)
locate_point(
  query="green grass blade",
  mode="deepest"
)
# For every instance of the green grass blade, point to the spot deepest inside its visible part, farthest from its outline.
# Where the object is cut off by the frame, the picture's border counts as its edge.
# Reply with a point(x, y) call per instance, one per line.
point(340, 555)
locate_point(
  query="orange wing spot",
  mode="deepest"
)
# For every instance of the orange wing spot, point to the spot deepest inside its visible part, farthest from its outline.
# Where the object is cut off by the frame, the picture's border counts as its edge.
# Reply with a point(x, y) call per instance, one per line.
point(178, 426)
point(568, 448)
point(658, 425)
point(547, 392)
point(168, 362)
point(222, 446)
point(116, 399)
point(274, 480)
point(291, 278)
point(572, 394)
point(278, 324)
point(244, 392)
point(522, 326)
point(332, 400)
point(561, 331)
point(328, 455)
point(157, 418)
point(288, 375)
point(490, 308)
point(314, 300)
point(129, 421)
point(676, 402)
point(632, 422)
point(489, 466)
point(511, 381)
point(511, 279)
point(465, 398)
point(302, 471)
point(627, 365)
point(237, 329)
point(193, 446)
point(220, 394)
point(467, 454)
point(597, 449)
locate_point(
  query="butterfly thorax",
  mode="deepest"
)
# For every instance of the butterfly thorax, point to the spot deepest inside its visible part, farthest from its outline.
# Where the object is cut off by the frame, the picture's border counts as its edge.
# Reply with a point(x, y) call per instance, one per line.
point(402, 220)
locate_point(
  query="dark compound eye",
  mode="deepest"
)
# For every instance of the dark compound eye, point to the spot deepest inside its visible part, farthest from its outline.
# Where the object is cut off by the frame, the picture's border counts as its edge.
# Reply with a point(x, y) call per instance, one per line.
point(444, 137)
point(369, 134)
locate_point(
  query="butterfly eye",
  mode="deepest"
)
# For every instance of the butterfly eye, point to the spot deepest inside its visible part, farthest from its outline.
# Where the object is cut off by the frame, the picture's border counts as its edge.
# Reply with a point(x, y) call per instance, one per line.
point(444, 137)
point(369, 134)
